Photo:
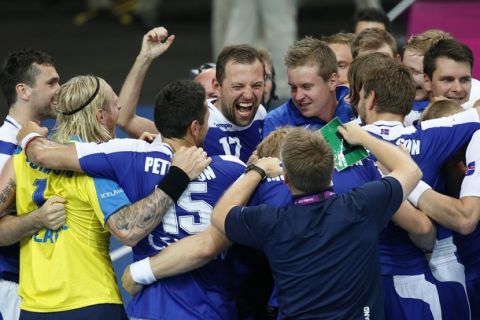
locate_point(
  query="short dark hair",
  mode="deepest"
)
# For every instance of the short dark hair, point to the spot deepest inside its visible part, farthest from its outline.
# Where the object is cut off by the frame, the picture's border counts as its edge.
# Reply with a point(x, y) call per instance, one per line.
point(447, 48)
point(19, 67)
point(177, 105)
point(241, 53)
point(372, 14)
point(359, 71)
point(393, 86)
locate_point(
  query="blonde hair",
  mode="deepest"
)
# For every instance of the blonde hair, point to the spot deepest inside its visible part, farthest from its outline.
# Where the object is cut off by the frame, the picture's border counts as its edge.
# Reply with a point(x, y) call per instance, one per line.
point(421, 42)
point(312, 51)
point(82, 124)
point(440, 108)
point(307, 160)
point(271, 145)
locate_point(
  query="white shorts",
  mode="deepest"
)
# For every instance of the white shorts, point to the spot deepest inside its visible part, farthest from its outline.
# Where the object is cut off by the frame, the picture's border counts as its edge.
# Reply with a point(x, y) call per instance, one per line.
point(10, 301)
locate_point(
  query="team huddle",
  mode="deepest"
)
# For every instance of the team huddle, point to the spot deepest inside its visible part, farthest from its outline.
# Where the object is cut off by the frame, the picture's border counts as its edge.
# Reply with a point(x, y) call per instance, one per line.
point(234, 212)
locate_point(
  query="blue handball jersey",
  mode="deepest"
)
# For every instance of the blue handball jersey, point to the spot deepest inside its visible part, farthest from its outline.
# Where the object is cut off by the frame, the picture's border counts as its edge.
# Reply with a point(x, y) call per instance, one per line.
point(138, 167)
point(288, 115)
point(9, 255)
point(226, 138)
point(430, 143)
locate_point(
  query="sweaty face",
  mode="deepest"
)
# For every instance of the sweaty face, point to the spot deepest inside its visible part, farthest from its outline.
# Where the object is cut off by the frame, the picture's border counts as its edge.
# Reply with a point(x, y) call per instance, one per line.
point(414, 62)
point(343, 53)
point(451, 79)
point(310, 93)
point(112, 109)
point(43, 90)
point(241, 91)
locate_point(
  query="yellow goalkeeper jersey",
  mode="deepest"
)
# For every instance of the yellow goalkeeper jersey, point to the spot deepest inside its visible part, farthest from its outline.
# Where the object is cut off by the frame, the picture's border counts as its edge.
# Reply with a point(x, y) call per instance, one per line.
point(69, 268)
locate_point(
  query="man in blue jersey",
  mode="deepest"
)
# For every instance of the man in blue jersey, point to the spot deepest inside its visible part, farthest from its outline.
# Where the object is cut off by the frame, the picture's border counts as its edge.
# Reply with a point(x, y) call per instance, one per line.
point(320, 271)
point(414, 51)
point(236, 116)
point(182, 116)
point(315, 98)
point(194, 251)
point(28, 80)
point(448, 70)
point(383, 103)
point(463, 214)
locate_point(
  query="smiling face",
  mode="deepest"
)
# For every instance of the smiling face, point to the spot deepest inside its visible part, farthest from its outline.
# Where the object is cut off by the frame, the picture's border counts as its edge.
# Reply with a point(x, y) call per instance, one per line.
point(414, 62)
point(241, 91)
point(45, 86)
point(311, 94)
point(450, 79)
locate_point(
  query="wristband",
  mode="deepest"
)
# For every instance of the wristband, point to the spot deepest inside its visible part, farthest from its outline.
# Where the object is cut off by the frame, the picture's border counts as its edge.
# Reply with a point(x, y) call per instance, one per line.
point(141, 272)
point(417, 192)
point(174, 183)
point(257, 169)
point(27, 139)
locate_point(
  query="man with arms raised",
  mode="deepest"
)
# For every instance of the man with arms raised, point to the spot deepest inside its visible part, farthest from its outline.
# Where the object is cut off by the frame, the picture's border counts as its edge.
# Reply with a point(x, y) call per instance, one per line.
point(236, 116)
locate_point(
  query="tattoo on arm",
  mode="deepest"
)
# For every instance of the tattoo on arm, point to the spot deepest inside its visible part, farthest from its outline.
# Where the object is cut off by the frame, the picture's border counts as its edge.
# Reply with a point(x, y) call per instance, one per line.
point(140, 218)
point(7, 192)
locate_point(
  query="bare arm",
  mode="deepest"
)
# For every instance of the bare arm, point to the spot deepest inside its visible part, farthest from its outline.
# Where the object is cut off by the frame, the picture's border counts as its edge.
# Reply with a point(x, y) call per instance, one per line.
point(461, 215)
point(54, 155)
point(14, 228)
point(50, 215)
point(47, 153)
point(420, 228)
point(132, 223)
point(154, 44)
point(240, 192)
point(400, 165)
point(182, 256)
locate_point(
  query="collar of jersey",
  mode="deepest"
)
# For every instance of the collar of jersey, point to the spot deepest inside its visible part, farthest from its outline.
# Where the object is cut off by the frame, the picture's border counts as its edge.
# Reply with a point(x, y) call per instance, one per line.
point(388, 123)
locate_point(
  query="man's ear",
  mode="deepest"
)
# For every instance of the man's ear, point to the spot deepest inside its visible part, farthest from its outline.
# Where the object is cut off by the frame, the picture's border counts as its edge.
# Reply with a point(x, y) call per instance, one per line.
point(194, 128)
point(428, 82)
point(333, 81)
point(24, 92)
point(100, 114)
point(216, 87)
point(372, 100)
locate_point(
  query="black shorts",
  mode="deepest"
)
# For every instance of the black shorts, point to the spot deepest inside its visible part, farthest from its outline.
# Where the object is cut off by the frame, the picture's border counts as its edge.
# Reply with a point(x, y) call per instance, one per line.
point(108, 311)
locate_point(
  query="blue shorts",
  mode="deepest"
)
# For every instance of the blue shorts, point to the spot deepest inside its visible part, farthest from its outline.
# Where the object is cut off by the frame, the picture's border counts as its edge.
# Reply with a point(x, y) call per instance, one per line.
point(473, 290)
point(96, 312)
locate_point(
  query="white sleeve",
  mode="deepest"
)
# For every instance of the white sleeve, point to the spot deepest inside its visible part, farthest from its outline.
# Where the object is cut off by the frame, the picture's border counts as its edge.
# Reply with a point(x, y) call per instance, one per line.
point(468, 116)
point(471, 182)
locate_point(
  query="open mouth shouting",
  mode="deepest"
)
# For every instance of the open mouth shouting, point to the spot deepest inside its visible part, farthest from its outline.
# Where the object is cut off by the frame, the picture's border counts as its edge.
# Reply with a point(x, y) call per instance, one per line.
point(244, 111)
